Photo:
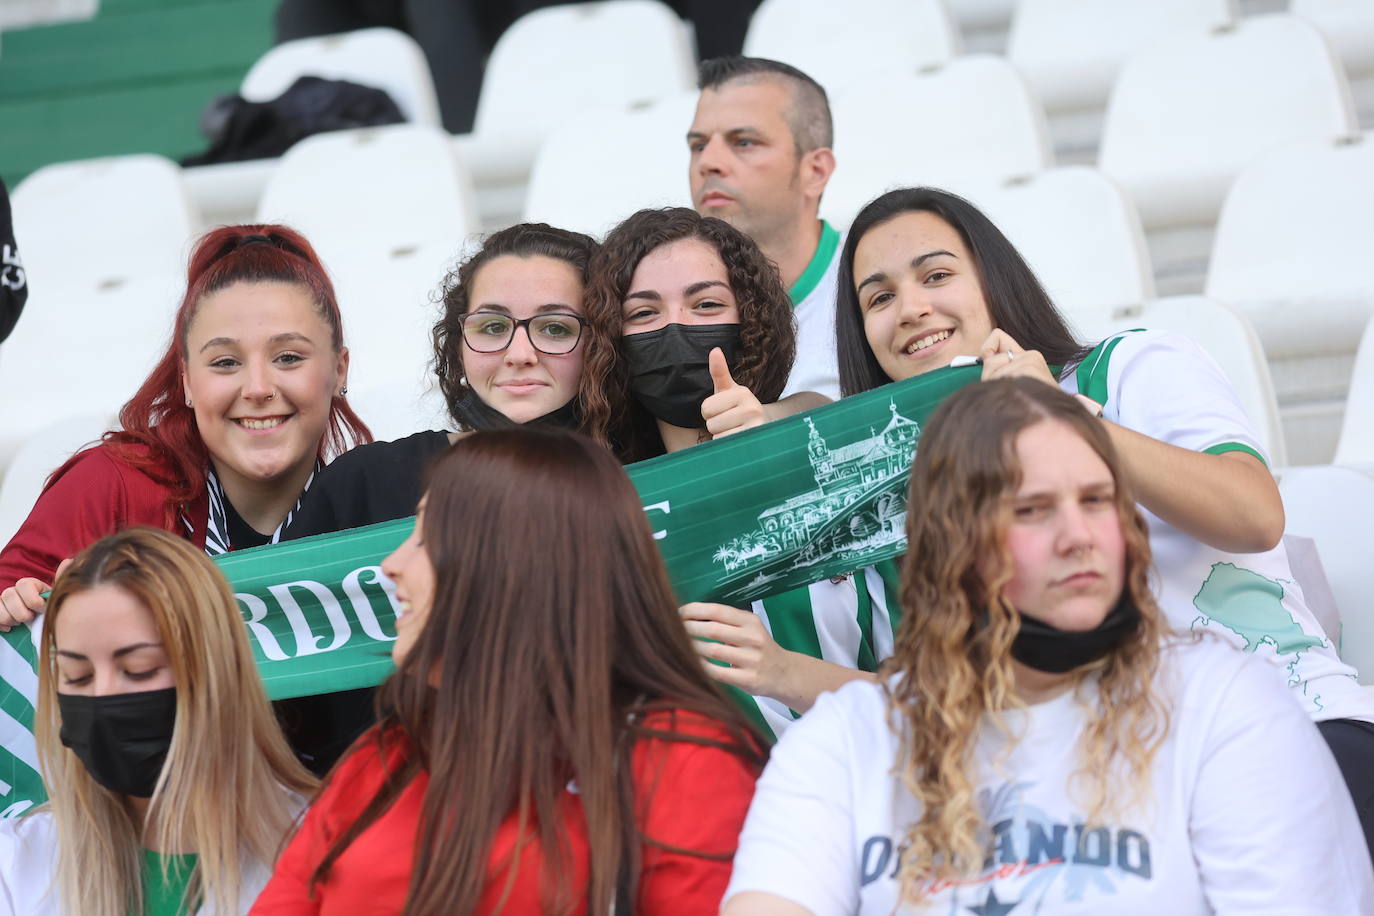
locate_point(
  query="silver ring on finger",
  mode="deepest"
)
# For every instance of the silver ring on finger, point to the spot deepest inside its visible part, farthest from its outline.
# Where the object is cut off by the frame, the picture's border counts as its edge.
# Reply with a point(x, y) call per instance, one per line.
point(1010, 356)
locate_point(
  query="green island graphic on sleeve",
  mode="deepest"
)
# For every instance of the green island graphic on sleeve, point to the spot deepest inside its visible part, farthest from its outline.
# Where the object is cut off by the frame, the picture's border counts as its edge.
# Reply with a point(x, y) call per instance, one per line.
point(1251, 606)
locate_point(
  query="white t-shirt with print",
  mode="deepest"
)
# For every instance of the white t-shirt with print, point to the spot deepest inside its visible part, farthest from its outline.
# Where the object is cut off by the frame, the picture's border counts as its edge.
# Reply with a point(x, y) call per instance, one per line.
point(817, 367)
point(1247, 814)
point(1165, 386)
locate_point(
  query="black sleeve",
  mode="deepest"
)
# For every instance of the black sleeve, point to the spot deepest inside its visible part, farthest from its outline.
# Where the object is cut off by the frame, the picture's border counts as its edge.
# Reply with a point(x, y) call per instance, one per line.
point(14, 285)
point(372, 483)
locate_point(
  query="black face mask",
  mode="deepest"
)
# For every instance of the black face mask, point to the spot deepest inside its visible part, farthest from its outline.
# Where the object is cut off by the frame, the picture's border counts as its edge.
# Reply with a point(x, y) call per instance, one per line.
point(1045, 648)
point(121, 738)
point(474, 413)
point(669, 373)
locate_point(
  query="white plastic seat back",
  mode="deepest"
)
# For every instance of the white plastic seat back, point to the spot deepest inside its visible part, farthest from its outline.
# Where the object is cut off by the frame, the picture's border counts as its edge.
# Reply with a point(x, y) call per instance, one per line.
point(381, 58)
point(1356, 445)
point(1229, 339)
point(556, 63)
point(1071, 51)
point(833, 43)
point(1333, 506)
point(1347, 24)
point(988, 129)
point(42, 453)
point(105, 244)
point(590, 175)
point(1294, 247)
point(388, 210)
point(1190, 111)
point(381, 188)
point(1079, 233)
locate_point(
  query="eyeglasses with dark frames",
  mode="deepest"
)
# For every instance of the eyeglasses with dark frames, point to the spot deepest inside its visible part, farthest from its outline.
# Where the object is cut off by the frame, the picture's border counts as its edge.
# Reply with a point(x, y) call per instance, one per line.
point(554, 333)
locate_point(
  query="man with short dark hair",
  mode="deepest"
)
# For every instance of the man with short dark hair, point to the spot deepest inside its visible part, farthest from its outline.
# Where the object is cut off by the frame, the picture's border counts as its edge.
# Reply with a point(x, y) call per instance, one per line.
point(760, 160)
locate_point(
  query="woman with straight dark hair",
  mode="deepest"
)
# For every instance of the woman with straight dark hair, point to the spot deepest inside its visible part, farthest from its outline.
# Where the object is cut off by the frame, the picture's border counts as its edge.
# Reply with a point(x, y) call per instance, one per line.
point(243, 407)
point(706, 343)
point(1041, 741)
point(549, 742)
point(925, 277)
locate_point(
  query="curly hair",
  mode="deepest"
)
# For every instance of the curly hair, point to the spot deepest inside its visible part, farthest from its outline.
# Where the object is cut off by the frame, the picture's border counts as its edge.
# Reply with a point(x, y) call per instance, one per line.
point(523, 240)
point(768, 334)
point(953, 653)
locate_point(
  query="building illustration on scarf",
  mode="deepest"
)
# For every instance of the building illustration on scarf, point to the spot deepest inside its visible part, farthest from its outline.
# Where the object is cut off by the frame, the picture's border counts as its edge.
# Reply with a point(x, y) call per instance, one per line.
point(858, 506)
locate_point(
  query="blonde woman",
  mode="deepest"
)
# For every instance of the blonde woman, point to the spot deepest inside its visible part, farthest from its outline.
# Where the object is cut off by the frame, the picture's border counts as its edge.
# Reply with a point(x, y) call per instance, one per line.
point(1040, 742)
point(171, 785)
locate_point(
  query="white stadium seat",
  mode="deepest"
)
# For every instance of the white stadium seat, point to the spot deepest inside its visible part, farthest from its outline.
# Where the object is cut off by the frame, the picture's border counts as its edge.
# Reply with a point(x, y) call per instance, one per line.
point(1347, 24)
point(42, 453)
point(1229, 339)
point(1071, 51)
point(837, 43)
point(1356, 445)
point(1190, 111)
point(1333, 506)
point(385, 187)
point(967, 124)
point(1079, 233)
point(556, 64)
point(105, 243)
point(388, 209)
point(1293, 251)
point(381, 58)
point(592, 174)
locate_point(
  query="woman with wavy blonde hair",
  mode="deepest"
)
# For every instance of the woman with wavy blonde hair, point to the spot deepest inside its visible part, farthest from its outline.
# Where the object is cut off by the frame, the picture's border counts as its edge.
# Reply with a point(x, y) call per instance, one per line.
point(171, 786)
point(1041, 740)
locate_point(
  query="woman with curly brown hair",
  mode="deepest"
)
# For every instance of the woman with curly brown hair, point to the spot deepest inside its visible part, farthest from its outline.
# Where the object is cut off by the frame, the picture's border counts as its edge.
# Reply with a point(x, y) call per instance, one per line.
point(706, 345)
point(1042, 740)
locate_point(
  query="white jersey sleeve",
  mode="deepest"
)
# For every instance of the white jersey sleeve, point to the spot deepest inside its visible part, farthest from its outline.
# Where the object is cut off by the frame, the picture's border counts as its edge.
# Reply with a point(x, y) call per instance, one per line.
point(1164, 385)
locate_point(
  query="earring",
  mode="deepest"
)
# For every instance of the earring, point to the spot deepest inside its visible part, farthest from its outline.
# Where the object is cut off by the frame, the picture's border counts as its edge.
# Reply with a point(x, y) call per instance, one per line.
point(188, 402)
point(343, 392)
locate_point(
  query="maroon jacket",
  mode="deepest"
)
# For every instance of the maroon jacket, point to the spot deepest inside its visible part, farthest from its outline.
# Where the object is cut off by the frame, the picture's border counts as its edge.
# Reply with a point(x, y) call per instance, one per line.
point(96, 496)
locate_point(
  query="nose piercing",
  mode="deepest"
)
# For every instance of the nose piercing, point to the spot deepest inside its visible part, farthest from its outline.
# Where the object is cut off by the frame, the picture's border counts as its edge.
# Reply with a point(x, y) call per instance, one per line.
point(270, 396)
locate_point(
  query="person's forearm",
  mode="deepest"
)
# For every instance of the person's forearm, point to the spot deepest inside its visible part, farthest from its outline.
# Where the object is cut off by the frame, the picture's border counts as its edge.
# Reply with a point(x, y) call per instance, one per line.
point(1227, 501)
point(809, 677)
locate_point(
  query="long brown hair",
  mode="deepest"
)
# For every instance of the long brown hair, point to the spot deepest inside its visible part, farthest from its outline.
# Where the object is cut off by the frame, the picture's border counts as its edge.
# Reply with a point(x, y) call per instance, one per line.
point(767, 329)
point(553, 632)
point(953, 651)
point(224, 791)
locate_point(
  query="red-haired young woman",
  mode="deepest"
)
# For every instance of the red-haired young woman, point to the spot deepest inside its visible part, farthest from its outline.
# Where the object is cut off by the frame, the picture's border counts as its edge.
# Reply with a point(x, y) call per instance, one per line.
point(221, 438)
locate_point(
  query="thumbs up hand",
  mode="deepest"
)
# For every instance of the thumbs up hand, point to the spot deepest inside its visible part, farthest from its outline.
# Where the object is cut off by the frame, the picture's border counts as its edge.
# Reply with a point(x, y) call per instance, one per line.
point(733, 407)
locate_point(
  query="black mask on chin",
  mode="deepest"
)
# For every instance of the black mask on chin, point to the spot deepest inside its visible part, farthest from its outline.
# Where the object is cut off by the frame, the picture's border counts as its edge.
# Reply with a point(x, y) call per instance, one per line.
point(668, 368)
point(1046, 648)
point(474, 413)
point(122, 739)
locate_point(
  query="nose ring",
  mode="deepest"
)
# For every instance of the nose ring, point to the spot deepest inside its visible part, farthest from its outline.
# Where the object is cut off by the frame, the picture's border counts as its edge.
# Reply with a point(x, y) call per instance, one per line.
point(270, 396)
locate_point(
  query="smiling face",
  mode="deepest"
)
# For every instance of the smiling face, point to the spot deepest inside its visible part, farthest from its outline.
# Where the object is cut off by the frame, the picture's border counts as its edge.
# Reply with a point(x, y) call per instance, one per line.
point(520, 381)
point(744, 166)
point(919, 295)
point(683, 282)
point(410, 568)
point(1064, 537)
point(261, 373)
point(107, 642)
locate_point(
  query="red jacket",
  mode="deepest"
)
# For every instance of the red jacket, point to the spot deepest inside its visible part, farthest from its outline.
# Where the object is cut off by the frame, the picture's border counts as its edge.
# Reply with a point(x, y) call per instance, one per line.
point(96, 496)
point(699, 799)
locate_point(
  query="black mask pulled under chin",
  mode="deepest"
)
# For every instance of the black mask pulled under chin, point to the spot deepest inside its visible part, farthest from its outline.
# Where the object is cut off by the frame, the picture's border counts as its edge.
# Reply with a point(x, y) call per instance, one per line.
point(1046, 648)
point(474, 413)
point(668, 368)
